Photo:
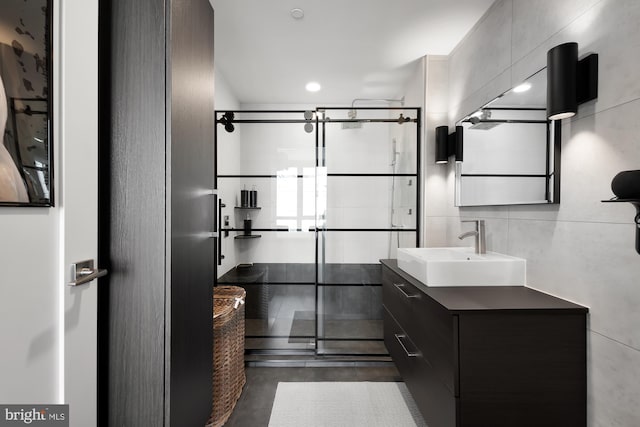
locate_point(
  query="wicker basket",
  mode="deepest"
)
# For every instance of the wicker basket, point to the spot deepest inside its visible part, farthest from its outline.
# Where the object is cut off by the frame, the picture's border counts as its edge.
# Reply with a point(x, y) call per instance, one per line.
point(228, 352)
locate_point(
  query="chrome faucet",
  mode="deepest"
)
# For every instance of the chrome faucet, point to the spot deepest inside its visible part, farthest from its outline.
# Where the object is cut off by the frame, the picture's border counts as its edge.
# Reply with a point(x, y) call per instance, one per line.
point(479, 233)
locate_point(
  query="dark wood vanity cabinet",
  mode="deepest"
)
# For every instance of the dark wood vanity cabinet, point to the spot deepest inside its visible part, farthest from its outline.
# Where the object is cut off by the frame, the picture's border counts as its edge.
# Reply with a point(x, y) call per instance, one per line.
point(486, 356)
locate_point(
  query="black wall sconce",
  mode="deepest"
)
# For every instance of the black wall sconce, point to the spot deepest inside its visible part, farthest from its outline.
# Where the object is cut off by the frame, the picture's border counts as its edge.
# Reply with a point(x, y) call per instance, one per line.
point(570, 81)
point(448, 145)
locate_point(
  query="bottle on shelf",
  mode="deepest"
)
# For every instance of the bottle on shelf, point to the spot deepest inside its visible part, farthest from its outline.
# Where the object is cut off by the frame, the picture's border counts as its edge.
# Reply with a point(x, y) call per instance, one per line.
point(247, 226)
point(244, 198)
point(253, 197)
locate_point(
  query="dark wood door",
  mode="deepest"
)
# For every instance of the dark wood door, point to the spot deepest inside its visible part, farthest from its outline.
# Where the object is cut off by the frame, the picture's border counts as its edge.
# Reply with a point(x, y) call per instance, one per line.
point(156, 167)
point(192, 211)
point(132, 213)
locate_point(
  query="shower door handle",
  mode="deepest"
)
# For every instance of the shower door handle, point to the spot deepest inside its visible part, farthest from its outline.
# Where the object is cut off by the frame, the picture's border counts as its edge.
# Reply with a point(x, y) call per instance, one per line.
point(217, 225)
point(220, 205)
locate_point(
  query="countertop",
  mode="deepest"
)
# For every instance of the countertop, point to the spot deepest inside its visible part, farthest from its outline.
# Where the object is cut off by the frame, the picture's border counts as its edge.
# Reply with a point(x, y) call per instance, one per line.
point(489, 298)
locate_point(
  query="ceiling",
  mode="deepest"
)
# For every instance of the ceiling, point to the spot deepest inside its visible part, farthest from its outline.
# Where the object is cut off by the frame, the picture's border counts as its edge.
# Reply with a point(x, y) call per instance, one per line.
point(353, 48)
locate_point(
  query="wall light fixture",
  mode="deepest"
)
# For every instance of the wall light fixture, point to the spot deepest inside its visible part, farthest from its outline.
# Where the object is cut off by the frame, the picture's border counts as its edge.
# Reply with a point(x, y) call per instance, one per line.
point(448, 145)
point(570, 81)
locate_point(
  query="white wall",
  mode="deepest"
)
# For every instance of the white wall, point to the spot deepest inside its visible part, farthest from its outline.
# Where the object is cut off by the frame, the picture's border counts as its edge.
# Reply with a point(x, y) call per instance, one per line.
point(229, 156)
point(29, 309)
point(582, 249)
point(438, 179)
point(406, 213)
point(31, 261)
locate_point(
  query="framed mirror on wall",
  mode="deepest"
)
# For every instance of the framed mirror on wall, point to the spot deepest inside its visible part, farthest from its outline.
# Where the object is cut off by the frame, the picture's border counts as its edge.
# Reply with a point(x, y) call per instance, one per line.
point(511, 150)
point(26, 155)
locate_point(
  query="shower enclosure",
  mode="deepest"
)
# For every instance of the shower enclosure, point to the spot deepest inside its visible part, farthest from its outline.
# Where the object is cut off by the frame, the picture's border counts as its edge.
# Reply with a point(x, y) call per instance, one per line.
point(310, 202)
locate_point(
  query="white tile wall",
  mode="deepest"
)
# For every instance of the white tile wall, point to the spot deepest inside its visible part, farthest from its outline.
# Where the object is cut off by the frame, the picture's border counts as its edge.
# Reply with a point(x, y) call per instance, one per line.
point(613, 377)
point(483, 54)
point(229, 150)
point(581, 250)
point(532, 24)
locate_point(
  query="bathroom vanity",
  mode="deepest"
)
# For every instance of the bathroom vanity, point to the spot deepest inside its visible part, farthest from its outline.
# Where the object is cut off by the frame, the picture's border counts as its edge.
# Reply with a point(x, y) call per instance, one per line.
point(486, 355)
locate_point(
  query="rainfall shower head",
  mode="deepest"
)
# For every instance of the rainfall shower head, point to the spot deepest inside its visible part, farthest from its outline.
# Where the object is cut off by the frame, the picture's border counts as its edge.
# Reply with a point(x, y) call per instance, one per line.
point(484, 125)
point(352, 114)
point(480, 120)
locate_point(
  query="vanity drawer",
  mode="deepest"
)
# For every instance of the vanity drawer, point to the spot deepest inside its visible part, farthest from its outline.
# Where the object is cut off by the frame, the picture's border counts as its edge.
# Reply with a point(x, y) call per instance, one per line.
point(435, 401)
point(437, 339)
point(399, 297)
point(429, 325)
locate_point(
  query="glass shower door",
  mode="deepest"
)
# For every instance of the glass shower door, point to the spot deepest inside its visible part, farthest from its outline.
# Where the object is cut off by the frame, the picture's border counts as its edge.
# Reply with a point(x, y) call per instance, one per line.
point(269, 243)
point(367, 192)
point(335, 194)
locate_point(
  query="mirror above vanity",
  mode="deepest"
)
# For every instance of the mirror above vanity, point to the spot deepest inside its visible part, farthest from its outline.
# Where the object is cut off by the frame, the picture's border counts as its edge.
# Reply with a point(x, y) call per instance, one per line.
point(511, 150)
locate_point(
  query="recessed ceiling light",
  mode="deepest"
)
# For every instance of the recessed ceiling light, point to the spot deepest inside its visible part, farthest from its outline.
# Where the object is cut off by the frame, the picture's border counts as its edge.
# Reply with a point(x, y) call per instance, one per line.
point(313, 86)
point(297, 13)
point(522, 88)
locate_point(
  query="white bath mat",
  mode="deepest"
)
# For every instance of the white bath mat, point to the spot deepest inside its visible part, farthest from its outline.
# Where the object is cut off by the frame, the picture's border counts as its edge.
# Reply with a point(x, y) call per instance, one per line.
point(344, 404)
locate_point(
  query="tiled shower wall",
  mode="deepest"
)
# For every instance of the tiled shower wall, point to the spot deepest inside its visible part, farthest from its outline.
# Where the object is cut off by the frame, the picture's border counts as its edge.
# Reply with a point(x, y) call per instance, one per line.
point(225, 100)
point(581, 250)
point(353, 202)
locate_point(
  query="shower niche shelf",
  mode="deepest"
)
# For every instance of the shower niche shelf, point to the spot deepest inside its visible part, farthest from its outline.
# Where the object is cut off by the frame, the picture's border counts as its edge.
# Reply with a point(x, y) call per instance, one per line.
point(245, 236)
point(636, 204)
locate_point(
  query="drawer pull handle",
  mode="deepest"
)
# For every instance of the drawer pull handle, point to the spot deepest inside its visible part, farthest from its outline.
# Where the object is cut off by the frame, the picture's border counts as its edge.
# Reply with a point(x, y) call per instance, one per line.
point(400, 287)
point(399, 337)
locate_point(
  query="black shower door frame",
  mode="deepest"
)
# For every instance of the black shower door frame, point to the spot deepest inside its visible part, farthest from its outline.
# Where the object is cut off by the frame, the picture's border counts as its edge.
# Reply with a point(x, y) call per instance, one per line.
point(320, 232)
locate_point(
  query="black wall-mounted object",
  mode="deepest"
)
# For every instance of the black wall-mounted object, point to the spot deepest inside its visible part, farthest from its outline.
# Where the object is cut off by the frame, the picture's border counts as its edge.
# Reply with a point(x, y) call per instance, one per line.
point(570, 81)
point(448, 145)
point(442, 144)
point(227, 120)
point(626, 187)
point(456, 142)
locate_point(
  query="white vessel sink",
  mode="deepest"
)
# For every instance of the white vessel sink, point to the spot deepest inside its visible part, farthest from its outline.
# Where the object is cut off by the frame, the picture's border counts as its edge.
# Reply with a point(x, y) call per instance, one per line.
point(462, 267)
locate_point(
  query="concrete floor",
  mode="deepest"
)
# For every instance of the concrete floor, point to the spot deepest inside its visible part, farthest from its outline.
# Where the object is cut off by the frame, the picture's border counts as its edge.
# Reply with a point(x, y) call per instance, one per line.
point(254, 407)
